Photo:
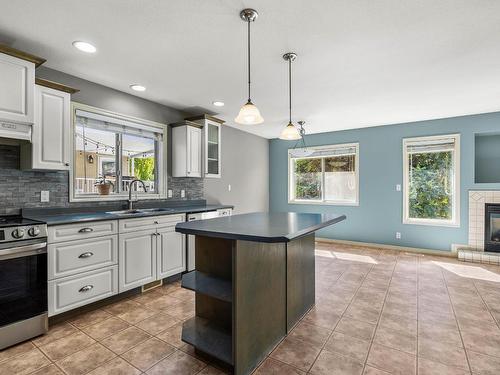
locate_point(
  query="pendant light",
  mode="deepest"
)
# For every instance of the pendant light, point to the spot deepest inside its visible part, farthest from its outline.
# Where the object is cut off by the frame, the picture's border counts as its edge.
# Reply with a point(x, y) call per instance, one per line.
point(290, 133)
point(249, 113)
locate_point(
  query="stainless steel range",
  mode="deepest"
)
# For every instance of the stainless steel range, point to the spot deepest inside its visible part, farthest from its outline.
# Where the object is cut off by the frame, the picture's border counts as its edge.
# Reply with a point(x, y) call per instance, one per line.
point(23, 279)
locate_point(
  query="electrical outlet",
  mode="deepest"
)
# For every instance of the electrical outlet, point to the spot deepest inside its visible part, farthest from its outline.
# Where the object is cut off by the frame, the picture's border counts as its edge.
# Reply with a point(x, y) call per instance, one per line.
point(170, 193)
point(398, 187)
point(183, 193)
point(229, 187)
point(44, 196)
point(398, 235)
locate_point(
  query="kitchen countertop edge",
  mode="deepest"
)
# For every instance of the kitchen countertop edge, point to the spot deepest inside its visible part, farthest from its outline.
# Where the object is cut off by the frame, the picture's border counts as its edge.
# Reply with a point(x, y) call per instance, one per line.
point(82, 217)
point(258, 238)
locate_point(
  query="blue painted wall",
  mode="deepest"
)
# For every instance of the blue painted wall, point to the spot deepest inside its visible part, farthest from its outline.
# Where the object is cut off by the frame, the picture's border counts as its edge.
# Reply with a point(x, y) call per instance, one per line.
point(487, 162)
point(379, 214)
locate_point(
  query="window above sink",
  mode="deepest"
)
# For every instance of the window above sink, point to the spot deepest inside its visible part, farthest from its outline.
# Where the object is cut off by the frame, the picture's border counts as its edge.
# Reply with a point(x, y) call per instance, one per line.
point(110, 150)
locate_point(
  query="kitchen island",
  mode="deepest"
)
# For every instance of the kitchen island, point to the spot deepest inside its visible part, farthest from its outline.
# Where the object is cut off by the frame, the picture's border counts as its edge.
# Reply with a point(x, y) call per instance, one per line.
point(254, 280)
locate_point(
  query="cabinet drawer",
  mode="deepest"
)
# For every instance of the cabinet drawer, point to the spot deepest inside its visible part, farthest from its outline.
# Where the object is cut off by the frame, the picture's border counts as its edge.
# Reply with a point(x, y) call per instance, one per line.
point(74, 291)
point(79, 231)
point(68, 258)
point(171, 220)
point(142, 223)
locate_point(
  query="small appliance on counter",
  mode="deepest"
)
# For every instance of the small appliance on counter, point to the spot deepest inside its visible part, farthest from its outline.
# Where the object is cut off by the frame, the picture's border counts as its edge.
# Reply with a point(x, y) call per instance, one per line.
point(23, 279)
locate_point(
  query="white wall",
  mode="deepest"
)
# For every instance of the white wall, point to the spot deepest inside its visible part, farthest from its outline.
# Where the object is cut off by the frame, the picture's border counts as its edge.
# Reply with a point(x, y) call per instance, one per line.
point(245, 166)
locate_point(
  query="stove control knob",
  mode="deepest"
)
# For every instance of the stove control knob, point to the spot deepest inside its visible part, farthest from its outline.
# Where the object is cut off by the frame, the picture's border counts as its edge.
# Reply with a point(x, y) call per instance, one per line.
point(34, 231)
point(18, 233)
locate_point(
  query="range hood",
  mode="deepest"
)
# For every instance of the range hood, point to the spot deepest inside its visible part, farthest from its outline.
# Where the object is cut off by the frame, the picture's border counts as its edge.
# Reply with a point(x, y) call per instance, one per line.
point(17, 92)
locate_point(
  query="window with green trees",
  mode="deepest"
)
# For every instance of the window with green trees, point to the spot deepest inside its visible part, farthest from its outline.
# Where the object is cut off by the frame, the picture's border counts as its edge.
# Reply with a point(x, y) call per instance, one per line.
point(328, 174)
point(431, 180)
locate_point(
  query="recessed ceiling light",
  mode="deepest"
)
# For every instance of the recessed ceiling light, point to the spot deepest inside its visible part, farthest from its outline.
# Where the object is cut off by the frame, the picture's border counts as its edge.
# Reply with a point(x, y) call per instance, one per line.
point(218, 104)
point(84, 46)
point(137, 87)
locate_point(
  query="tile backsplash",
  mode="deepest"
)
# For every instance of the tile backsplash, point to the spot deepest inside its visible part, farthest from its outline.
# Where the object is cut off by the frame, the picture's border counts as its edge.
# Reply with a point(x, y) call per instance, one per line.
point(21, 189)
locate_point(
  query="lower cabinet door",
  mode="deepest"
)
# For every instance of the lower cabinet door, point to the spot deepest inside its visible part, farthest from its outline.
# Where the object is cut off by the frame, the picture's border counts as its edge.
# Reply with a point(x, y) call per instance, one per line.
point(137, 259)
point(71, 292)
point(171, 252)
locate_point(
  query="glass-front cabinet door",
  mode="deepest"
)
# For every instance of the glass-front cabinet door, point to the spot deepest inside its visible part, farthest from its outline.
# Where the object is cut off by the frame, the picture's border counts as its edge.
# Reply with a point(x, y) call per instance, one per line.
point(212, 149)
point(212, 129)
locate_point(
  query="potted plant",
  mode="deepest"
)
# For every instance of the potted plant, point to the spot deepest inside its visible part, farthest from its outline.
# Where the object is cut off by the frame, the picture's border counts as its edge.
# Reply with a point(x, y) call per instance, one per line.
point(104, 186)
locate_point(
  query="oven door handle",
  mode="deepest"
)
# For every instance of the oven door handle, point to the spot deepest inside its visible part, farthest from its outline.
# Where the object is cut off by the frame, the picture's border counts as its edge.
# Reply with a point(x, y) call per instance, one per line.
point(23, 251)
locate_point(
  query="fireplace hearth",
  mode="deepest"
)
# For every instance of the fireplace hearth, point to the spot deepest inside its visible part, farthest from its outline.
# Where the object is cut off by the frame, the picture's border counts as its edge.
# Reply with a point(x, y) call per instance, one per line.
point(492, 227)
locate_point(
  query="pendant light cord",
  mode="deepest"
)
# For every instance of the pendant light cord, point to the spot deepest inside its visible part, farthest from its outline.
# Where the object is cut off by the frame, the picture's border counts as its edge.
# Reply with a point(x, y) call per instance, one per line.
point(290, 88)
point(249, 100)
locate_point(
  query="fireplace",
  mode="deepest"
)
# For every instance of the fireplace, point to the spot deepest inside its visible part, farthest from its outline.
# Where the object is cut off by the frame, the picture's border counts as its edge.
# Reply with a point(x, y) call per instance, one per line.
point(492, 227)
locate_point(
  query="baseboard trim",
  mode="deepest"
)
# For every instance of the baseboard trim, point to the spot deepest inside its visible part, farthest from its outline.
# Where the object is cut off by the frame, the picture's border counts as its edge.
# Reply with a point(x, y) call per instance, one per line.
point(390, 247)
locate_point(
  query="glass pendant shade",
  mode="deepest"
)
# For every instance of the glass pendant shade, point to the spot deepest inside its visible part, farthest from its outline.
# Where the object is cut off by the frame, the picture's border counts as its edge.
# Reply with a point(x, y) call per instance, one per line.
point(290, 133)
point(249, 115)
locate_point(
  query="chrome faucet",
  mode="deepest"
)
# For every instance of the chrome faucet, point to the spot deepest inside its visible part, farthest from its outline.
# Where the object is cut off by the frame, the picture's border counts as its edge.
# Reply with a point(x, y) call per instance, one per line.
point(130, 186)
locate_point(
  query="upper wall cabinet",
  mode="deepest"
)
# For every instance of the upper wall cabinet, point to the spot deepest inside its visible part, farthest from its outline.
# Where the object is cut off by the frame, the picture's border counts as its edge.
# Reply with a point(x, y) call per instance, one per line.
point(211, 144)
point(50, 145)
point(186, 149)
point(17, 77)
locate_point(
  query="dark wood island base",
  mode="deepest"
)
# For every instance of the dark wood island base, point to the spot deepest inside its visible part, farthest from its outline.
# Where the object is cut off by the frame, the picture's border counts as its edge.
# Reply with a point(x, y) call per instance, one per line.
point(249, 295)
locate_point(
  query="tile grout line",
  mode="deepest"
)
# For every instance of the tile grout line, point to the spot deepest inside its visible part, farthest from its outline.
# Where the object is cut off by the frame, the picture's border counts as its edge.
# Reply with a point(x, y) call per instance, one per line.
point(340, 316)
point(456, 321)
point(380, 316)
point(112, 315)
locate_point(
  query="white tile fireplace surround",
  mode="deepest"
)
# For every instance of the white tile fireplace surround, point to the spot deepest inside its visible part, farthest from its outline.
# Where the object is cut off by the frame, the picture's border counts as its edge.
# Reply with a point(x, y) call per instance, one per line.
point(477, 200)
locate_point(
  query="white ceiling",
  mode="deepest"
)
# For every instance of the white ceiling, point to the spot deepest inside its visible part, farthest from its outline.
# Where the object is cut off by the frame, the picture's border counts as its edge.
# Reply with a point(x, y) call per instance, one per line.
point(360, 62)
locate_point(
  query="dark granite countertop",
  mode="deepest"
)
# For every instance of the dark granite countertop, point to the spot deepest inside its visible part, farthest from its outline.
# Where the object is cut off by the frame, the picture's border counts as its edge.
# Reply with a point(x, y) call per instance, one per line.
point(69, 216)
point(260, 226)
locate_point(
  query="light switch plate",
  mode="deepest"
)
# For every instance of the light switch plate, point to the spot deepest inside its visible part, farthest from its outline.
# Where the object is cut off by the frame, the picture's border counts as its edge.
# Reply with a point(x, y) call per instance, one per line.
point(398, 187)
point(170, 193)
point(229, 187)
point(44, 196)
point(183, 193)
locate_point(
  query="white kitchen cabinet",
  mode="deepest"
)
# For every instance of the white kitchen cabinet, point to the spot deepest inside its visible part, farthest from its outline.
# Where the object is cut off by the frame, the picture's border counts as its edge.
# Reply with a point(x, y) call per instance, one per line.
point(171, 252)
point(186, 149)
point(137, 259)
point(211, 144)
point(70, 292)
point(150, 254)
point(17, 77)
point(50, 144)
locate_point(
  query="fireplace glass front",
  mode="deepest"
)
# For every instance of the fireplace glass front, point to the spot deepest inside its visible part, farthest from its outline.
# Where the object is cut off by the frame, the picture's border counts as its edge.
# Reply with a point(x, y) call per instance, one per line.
point(492, 228)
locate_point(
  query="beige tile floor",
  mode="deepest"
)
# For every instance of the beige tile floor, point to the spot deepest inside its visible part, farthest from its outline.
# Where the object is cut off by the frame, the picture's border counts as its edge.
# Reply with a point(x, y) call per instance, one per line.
point(377, 312)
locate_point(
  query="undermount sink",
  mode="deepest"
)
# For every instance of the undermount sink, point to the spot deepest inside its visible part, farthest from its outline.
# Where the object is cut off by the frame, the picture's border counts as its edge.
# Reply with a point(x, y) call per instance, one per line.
point(125, 212)
point(156, 209)
point(139, 211)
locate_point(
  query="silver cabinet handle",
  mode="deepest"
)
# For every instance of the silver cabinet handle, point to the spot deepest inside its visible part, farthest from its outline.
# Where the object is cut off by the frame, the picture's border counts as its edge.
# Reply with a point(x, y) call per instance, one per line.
point(86, 288)
point(85, 255)
point(86, 230)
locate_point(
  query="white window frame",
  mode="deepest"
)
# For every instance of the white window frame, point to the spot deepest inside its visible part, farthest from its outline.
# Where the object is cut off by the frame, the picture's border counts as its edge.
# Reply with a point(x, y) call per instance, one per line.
point(455, 221)
point(162, 156)
point(322, 201)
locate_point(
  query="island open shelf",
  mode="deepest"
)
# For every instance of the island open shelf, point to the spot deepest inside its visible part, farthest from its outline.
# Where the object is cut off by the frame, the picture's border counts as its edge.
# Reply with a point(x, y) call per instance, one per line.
point(254, 280)
point(208, 285)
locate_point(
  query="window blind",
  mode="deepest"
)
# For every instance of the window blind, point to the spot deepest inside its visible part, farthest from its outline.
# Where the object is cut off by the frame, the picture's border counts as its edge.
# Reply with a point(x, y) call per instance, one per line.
point(328, 151)
point(432, 145)
point(117, 125)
